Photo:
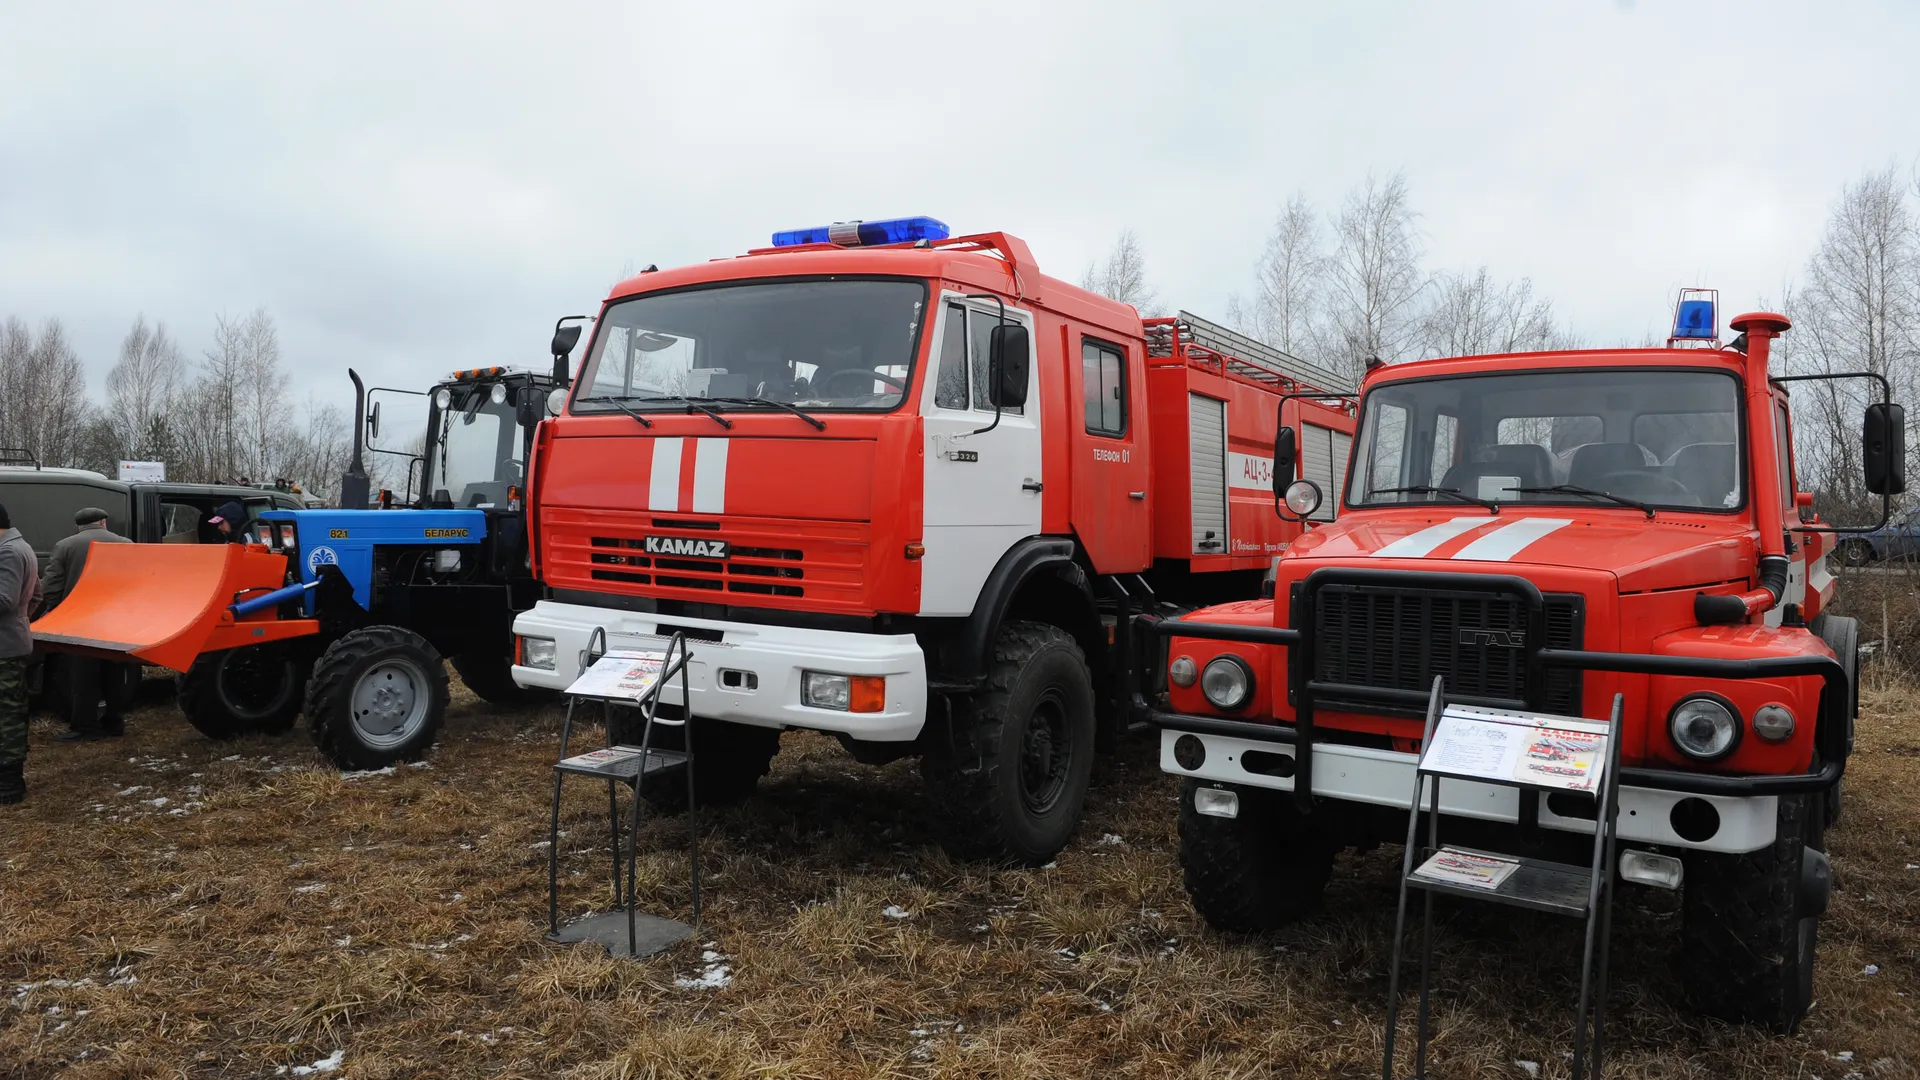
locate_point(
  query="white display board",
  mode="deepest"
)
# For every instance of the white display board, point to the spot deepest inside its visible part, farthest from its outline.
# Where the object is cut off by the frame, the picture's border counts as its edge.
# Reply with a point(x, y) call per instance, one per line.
point(1518, 748)
point(143, 472)
point(626, 676)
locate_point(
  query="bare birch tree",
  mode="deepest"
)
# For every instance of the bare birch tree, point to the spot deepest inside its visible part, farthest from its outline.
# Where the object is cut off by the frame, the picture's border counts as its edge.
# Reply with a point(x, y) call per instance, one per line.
point(1373, 279)
point(1289, 277)
point(142, 388)
point(1473, 315)
point(1123, 276)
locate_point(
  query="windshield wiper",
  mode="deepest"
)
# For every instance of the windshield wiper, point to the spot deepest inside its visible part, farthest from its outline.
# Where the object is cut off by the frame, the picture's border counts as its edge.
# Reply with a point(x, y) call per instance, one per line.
point(1574, 489)
point(616, 403)
point(1427, 489)
point(692, 406)
point(818, 424)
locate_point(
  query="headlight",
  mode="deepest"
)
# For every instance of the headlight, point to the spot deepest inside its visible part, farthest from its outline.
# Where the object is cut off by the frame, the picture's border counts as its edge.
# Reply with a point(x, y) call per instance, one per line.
point(498, 393)
point(1773, 723)
point(1227, 682)
point(844, 693)
point(287, 535)
point(537, 652)
point(1183, 671)
point(443, 397)
point(1704, 726)
point(1303, 497)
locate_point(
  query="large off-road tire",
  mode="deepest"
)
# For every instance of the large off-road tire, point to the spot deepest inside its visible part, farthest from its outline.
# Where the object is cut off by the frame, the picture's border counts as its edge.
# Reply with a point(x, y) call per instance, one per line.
point(1854, 552)
point(728, 760)
point(1011, 776)
point(1747, 946)
point(377, 697)
point(236, 691)
point(490, 678)
point(1258, 871)
point(1842, 635)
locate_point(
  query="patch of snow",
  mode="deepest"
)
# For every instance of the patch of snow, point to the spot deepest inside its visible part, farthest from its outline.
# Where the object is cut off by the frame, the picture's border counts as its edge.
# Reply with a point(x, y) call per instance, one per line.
point(895, 911)
point(1531, 1068)
point(1870, 969)
point(231, 757)
point(343, 942)
point(130, 791)
point(1109, 840)
point(324, 1065)
point(365, 773)
point(419, 764)
point(715, 977)
point(1844, 1055)
point(314, 888)
point(982, 928)
point(127, 981)
point(158, 803)
point(1051, 866)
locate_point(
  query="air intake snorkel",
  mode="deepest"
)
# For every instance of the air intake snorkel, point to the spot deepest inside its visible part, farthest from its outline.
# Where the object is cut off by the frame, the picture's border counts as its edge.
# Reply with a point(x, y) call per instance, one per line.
point(1758, 330)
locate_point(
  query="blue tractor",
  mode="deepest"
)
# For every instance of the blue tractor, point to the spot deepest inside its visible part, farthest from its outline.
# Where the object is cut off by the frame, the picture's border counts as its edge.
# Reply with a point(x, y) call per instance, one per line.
point(395, 587)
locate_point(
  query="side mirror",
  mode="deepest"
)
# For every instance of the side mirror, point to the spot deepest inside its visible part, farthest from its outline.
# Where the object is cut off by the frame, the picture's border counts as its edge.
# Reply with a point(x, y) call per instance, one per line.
point(1883, 448)
point(373, 423)
point(1007, 365)
point(1286, 452)
point(565, 337)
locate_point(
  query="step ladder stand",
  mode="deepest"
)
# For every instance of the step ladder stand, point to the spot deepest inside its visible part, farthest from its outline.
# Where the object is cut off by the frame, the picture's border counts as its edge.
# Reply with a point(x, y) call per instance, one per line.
point(630, 765)
point(1539, 885)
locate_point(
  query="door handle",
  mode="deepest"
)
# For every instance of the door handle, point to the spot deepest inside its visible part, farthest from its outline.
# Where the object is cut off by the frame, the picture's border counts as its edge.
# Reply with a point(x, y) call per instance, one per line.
point(1030, 485)
point(1139, 495)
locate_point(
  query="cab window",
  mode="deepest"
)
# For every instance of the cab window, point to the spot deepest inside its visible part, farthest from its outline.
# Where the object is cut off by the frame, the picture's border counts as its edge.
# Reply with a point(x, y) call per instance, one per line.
point(1103, 370)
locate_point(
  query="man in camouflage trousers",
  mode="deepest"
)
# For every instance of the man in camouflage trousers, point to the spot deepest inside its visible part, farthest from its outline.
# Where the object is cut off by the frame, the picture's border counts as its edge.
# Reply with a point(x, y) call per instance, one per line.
point(19, 593)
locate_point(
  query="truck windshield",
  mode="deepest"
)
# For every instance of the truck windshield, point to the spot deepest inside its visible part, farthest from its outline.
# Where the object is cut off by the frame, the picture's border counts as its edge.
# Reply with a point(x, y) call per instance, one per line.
point(841, 345)
point(1653, 437)
point(478, 452)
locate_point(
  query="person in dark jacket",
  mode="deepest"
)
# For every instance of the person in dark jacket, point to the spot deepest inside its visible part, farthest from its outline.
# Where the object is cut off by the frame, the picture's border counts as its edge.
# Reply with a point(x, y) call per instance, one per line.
point(19, 592)
point(95, 689)
point(231, 519)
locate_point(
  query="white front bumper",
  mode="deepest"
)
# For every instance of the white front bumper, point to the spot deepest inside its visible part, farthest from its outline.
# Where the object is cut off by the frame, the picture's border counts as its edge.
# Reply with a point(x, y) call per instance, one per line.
point(774, 655)
point(1385, 778)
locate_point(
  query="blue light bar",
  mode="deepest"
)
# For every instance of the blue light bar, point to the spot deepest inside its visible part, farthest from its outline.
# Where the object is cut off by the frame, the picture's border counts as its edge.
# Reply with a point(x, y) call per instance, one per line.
point(865, 233)
point(1694, 319)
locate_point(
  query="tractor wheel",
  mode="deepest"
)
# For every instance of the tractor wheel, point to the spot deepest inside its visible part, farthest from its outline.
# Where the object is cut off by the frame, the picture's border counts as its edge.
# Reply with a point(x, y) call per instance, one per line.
point(236, 691)
point(1747, 942)
point(490, 678)
point(1842, 635)
point(377, 697)
point(728, 760)
point(1258, 871)
point(1012, 775)
point(1855, 552)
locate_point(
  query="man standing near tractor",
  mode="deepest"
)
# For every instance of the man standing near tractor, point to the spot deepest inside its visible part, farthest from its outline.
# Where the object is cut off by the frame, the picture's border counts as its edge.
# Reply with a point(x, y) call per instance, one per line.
point(19, 590)
point(95, 694)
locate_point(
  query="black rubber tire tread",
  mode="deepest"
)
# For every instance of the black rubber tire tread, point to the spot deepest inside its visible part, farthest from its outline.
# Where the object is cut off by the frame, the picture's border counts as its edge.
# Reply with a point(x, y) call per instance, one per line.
point(728, 761)
point(972, 777)
point(330, 696)
point(1842, 635)
point(1746, 955)
point(1258, 871)
point(491, 680)
point(198, 694)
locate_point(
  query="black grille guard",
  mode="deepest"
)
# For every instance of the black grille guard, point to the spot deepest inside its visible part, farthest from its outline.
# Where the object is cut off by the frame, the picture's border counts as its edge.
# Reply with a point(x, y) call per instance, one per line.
point(1830, 734)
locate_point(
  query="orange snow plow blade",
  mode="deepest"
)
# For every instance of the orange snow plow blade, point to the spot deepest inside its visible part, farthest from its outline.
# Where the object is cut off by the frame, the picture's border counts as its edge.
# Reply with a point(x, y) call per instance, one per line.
point(166, 604)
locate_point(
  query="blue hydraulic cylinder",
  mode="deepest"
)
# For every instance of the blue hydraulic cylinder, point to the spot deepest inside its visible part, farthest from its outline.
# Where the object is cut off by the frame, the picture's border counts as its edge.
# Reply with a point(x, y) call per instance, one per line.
point(269, 600)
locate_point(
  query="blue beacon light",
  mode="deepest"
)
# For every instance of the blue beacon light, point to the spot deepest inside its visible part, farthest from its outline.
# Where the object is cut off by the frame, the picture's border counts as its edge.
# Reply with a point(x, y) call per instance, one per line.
point(865, 233)
point(1694, 320)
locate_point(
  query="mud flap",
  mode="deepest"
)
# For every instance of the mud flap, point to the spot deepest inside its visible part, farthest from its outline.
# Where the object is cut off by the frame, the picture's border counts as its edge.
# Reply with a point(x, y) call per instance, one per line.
point(166, 604)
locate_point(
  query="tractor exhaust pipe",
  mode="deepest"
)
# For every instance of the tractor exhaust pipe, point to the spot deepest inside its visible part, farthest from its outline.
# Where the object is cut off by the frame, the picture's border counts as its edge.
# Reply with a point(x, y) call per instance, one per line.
point(356, 488)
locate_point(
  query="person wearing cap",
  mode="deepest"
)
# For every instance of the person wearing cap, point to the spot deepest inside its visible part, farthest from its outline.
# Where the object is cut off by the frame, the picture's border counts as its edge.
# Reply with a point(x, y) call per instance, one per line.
point(231, 519)
point(94, 700)
point(19, 591)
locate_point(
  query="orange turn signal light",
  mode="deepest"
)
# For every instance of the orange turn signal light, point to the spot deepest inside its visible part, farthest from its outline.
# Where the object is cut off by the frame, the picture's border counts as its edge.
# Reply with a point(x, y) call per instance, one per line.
point(916, 550)
point(869, 693)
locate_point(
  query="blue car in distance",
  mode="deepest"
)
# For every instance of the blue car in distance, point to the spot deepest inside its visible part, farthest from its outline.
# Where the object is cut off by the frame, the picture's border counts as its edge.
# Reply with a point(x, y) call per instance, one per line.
point(1897, 539)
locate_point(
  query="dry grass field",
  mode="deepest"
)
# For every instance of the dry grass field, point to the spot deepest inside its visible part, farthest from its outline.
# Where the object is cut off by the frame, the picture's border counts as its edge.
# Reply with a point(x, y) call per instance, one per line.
point(175, 907)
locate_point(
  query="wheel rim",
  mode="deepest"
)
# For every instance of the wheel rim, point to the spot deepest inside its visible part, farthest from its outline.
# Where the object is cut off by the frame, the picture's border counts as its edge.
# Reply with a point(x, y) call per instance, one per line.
point(253, 683)
point(1855, 554)
point(1046, 752)
point(390, 702)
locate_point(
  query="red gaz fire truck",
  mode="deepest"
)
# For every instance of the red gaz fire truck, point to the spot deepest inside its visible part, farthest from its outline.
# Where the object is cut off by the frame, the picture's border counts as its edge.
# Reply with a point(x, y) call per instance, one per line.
point(907, 489)
point(1543, 532)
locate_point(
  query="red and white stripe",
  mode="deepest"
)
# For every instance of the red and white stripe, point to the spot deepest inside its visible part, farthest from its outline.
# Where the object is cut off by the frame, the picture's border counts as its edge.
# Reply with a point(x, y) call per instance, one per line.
point(688, 482)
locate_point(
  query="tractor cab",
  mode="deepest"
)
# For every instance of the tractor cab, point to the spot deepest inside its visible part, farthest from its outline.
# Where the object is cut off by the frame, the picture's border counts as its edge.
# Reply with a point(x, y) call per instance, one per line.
point(478, 430)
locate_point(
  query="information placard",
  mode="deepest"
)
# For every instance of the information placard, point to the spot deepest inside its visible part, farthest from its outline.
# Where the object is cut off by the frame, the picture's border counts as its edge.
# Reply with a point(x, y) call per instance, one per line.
point(625, 676)
point(1524, 748)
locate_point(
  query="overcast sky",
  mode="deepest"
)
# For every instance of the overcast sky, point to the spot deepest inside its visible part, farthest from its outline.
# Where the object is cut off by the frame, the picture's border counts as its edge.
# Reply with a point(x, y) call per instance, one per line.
point(414, 192)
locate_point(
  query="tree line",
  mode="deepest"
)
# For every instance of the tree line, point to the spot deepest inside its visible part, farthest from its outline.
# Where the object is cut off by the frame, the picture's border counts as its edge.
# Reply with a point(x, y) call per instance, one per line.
point(1341, 286)
point(225, 417)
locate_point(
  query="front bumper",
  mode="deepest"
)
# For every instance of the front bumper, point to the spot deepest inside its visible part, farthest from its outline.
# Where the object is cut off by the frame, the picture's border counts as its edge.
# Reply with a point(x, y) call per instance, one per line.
point(774, 657)
point(1385, 778)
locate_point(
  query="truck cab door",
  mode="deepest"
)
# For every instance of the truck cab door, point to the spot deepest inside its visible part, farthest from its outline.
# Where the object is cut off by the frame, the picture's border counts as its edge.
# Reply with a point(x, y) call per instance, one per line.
point(981, 488)
point(1106, 426)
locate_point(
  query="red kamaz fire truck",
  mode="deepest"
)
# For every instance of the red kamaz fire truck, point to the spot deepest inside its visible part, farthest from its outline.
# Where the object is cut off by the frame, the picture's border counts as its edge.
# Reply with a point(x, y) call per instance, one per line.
point(909, 490)
point(1542, 532)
